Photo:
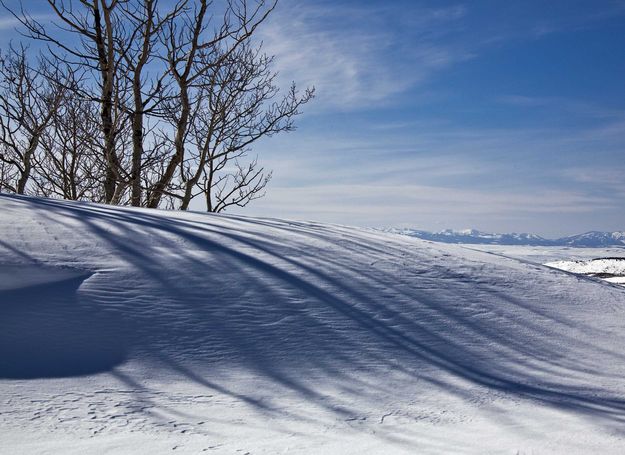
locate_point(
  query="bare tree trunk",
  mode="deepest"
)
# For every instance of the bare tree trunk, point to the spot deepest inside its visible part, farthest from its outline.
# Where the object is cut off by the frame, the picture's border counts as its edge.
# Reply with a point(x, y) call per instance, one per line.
point(106, 55)
point(27, 162)
point(138, 111)
point(179, 144)
point(137, 149)
point(195, 27)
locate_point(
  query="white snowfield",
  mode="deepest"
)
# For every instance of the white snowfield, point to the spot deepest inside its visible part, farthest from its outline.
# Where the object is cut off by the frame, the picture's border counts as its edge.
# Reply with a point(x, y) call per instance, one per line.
point(611, 266)
point(128, 331)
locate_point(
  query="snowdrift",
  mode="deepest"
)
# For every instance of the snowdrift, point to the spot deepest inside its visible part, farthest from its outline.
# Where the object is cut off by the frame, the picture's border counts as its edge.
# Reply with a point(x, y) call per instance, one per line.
point(142, 331)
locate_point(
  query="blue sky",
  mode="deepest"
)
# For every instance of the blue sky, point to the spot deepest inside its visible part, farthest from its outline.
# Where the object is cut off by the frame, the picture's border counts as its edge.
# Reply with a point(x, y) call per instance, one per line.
point(500, 116)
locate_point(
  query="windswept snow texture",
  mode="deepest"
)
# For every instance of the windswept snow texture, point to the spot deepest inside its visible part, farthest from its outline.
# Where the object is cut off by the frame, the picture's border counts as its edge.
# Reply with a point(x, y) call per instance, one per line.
point(138, 331)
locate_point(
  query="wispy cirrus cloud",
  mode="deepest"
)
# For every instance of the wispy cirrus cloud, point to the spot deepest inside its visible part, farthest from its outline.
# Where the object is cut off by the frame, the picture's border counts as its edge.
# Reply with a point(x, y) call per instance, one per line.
point(555, 24)
point(608, 180)
point(352, 56)
point(433, 207)
point(567, 106)
point(9, 22)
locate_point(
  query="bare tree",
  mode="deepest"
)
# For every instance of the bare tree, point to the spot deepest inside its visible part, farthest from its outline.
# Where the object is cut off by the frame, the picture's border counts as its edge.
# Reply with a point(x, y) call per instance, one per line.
point(181, 94)
point(235, 106)
point(91, 31)
point(223, 88)
point(145, 23)
point(183, 39)
point(69, 163)
point(29, 98)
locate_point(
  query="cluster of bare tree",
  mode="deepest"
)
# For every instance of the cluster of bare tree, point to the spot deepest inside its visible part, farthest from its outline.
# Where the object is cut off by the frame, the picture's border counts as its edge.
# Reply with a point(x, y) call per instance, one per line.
point(136, 104)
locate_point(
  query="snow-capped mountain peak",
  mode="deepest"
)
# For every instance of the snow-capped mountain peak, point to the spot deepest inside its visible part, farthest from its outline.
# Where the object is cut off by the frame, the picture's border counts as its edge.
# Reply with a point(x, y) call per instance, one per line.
point(474, 236)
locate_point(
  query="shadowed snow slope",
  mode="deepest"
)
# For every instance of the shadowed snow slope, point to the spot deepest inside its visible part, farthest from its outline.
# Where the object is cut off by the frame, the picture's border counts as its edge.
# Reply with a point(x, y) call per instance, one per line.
point(142, 331)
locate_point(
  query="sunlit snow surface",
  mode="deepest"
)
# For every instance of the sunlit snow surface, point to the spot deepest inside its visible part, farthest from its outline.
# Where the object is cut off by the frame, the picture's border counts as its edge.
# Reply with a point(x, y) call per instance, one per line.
point(611, 270)
point(137, 331)
point(607, 264)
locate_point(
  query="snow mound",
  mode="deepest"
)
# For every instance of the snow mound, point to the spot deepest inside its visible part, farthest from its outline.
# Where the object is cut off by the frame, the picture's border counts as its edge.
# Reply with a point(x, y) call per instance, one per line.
point(140, 331)
point(612, 266)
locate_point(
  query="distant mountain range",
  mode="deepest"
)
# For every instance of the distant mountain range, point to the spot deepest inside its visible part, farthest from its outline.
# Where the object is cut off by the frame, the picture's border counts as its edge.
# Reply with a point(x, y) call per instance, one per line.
point(472, 236)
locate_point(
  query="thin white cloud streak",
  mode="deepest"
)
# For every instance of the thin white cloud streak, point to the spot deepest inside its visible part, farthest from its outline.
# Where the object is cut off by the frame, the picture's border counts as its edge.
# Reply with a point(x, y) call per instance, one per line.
point(351, 59)
point(7, 23)
point(10, 22)
point(305, 172)
point(565, 106)
point(553, 25)
point(512, 27)
point(551, 214)
point(428, 207)
point(436, 153)
point(607, 180)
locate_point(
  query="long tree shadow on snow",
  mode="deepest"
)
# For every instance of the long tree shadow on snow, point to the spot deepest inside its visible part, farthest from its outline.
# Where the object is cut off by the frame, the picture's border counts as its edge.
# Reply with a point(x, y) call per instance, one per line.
point(45, 331)
point(330, 320)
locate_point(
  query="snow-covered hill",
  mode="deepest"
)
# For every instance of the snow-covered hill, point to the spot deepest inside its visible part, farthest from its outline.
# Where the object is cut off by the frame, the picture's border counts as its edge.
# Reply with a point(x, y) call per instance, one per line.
point(472, 236)
point(137, 331)
point(611, 269)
